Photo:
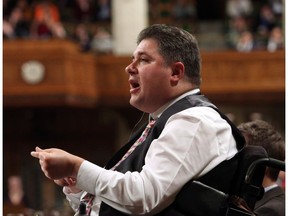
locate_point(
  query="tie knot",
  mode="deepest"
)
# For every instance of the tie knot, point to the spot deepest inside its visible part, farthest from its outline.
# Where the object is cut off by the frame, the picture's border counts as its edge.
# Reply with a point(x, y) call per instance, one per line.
point(151, 123)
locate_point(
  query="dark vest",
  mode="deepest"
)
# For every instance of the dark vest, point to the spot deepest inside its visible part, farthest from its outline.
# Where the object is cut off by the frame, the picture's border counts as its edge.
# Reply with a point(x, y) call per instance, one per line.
point(136, 160)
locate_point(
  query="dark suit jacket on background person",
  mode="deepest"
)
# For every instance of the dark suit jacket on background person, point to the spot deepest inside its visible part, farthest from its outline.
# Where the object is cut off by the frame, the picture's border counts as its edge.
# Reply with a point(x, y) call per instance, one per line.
point(272, 203)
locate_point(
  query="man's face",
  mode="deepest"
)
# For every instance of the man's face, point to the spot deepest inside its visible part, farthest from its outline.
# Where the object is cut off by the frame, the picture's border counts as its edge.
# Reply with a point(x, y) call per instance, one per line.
point(149, 78)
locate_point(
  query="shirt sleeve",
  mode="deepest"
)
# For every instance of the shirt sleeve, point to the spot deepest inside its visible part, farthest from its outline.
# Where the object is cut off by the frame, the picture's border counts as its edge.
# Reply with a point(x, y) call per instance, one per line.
point(192, 143)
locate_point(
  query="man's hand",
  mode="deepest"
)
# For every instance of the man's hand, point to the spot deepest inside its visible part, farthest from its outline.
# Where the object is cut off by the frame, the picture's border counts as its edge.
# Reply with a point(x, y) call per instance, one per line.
point(57, 164)
point(69, 183)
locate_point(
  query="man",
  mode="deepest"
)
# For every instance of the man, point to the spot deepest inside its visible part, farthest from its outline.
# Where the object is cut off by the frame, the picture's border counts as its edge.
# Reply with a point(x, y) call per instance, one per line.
point(190, 136)
point(263, 134)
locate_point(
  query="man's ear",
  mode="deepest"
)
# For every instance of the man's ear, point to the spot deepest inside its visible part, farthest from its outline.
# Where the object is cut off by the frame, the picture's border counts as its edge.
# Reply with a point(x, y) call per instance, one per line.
point(178, 71)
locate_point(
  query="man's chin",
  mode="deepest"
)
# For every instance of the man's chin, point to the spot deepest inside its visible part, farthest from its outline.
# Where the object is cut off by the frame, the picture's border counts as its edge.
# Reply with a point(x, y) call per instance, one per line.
point(135, 103)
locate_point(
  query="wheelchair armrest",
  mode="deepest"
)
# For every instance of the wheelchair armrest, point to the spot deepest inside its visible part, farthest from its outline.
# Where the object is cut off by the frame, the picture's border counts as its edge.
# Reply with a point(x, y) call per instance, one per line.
point(199, 199)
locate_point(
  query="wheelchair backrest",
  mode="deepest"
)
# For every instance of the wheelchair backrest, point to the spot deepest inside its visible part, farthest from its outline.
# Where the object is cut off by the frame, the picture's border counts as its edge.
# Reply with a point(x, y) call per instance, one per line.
point(249, 191)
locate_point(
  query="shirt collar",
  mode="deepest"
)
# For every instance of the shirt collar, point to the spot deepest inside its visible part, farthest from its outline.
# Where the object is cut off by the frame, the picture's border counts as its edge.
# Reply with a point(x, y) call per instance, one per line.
point(159, 112)
point(270, 187)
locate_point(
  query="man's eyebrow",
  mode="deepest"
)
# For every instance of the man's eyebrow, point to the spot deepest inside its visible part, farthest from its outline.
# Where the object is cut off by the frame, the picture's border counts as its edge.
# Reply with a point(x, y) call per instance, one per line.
point(138, 54)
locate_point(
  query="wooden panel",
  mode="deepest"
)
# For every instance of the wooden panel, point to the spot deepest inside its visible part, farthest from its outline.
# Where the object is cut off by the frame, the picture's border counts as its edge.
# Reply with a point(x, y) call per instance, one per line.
point(227, 77)
point(75, 78)
point(244, 77)
point(243, 72)
point(70, 76)
point(113, 80)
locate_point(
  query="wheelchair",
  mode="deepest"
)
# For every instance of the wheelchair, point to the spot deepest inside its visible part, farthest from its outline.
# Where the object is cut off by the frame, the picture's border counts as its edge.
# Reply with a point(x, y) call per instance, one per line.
point(245, 191)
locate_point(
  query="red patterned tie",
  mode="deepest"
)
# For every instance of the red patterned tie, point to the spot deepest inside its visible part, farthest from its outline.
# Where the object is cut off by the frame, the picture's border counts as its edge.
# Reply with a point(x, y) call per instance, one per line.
point(88, 198)
point(137, 143)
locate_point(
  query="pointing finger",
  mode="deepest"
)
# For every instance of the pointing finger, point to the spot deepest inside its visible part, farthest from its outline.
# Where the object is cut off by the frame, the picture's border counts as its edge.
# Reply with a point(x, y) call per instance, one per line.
point(34, 154)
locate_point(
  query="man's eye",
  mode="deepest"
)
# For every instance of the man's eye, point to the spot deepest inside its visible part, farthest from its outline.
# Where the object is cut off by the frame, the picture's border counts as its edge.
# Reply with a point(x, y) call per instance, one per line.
point(144, 60)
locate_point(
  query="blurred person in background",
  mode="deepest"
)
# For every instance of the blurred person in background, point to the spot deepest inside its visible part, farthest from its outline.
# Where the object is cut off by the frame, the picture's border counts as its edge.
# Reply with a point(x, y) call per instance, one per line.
point(184, 9)
point(15, 25)
point(16, 201)
point(84, 11)
point(267, 18)
point(245, 42)
point(46, 21)
point(236, 27)
point(81, 35)
point(103, 10)
point(261, 133)
point(102, 41)
point(275, 40)
point(239, 8)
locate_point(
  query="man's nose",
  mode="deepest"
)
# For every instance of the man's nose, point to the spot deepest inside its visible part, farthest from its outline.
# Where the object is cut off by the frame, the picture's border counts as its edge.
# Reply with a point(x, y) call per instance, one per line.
point(130, 69)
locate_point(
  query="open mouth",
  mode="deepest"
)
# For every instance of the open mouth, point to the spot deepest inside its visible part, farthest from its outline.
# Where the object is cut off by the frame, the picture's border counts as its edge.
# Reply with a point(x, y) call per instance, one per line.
point(134, 85)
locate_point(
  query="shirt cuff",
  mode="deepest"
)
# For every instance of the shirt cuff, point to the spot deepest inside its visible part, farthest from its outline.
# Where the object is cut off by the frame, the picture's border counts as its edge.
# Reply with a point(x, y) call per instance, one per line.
point(73, 197)
point(87, 176)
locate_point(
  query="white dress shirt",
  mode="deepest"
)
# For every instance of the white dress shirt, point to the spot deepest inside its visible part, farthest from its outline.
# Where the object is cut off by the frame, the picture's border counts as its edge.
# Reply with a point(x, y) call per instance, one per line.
point(192, 143)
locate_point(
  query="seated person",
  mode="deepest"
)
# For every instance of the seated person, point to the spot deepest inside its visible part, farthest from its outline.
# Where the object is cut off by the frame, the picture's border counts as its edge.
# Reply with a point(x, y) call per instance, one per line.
point(261, 133)
point(46, 22)
point(186, 138)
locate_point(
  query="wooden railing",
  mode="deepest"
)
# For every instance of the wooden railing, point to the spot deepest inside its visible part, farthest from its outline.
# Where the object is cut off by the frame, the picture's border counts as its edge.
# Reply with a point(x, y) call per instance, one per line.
point(69, 79)
point(227, 77)
point(78, 79)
